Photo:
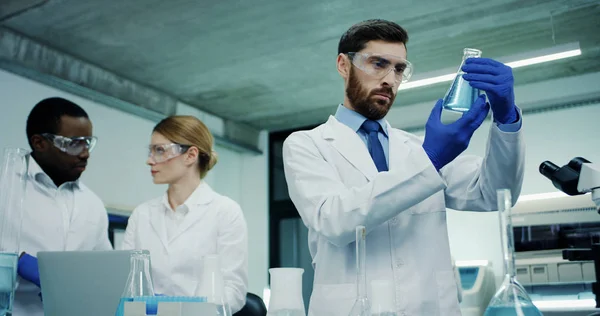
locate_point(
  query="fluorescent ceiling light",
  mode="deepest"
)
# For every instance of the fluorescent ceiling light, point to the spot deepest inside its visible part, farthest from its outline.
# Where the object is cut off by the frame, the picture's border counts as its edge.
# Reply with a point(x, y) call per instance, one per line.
point(540, 56)
point(564, 304)
point(541, 196)
point(545, 58)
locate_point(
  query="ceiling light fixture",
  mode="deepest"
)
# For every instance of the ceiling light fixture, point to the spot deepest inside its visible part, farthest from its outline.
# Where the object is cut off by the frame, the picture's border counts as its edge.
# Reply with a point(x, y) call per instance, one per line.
point(536, 57)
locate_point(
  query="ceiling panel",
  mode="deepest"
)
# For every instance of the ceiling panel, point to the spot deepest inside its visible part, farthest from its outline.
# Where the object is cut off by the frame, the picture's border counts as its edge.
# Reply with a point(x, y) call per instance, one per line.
point(271, 63)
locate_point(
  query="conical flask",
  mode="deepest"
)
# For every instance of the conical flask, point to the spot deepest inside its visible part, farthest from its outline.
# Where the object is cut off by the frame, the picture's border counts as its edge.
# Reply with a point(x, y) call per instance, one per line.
point(139, 282)
point(382, 298)
point(212, 286)
point(511, 298)
point(13, 184)
point(460, 96)
point(362, 306)
point(286, 292)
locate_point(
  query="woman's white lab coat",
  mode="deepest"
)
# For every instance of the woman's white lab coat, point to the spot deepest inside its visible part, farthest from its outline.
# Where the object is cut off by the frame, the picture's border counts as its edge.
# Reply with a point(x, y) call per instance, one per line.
point(214, 224)
point(335, 186)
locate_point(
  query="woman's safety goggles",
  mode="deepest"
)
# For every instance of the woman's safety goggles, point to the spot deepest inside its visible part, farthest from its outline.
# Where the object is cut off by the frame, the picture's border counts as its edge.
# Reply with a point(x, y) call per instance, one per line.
point(380, 65)
point(163, 152)
point(72, 145)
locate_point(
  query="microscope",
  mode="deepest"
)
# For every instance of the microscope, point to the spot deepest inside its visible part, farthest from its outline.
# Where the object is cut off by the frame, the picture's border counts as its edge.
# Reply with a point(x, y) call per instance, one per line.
point(577, 177)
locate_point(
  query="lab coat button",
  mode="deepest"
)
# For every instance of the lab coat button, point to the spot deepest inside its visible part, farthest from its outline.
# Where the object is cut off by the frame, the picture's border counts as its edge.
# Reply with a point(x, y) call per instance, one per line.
point(394, 220)
point(399, 263)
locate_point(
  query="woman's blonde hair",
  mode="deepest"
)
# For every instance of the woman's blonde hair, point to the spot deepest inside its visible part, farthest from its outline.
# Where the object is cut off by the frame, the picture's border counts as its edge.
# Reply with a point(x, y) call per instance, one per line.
point(190, 131)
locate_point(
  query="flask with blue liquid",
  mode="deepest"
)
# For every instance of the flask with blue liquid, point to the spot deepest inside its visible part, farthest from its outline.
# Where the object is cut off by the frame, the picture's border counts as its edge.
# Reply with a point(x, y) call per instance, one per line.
point(139, 286)
point(460, 96)
point(13, 184)
point(511, 299)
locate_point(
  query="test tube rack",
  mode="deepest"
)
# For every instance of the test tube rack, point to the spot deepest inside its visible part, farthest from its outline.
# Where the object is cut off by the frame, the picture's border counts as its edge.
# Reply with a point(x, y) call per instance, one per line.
point(171, 308)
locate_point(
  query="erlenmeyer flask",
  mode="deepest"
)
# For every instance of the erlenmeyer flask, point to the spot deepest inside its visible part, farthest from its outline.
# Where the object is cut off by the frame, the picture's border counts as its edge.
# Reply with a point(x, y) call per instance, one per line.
point(13, 183)
point(139, 282)
point(511, 298)
point(382, 298)
point(461, 95)
point(286, 292)
point(362, 306)
point(212, 286)
point(139, 286)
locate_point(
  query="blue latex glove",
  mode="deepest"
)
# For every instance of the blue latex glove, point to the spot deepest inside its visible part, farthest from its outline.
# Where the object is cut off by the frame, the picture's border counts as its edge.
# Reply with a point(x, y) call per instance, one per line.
point(27, 268)
point(444, 142)
point(496, 79)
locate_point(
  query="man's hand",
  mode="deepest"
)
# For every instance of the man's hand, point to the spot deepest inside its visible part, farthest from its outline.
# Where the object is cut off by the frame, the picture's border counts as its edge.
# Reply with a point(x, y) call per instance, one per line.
point(496, 79)
point(27, 268)
point(444, 142)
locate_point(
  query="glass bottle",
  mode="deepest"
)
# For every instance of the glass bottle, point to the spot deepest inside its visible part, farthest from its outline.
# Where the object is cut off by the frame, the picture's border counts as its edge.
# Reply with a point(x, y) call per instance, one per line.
point(286, 292)
point(139, 286)
point(511, 298)
point(460, 96)
point(13, 184)
point(362, 306)
point(139, 281)
point(382, 298)
point(212, 286)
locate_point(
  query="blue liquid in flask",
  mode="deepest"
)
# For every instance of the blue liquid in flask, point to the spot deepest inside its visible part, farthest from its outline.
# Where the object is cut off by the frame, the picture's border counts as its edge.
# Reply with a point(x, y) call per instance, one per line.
point(461, 95)
point(8, 280)
point(511, 298)
point(509, 310)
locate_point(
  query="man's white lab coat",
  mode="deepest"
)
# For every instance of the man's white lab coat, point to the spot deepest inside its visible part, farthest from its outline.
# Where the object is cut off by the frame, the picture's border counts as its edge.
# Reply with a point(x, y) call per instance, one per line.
point(335, 186)
point(68, 218)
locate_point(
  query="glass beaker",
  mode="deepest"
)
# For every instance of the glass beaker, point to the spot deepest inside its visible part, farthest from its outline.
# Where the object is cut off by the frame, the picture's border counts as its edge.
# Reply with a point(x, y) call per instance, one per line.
point(382, 298)
point(13, 184)
point(362, 306)
point(139, 281)
point(286, 292)
point(460, 96)
point(212, 286)
point(511, 298)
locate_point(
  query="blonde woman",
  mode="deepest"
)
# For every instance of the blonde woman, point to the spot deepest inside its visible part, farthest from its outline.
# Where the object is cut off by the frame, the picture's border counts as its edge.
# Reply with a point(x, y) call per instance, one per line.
point(190, 220)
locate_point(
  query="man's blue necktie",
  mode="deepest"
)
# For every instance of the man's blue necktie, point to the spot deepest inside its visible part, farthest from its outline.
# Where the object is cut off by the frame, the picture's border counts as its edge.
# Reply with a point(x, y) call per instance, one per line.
point(375, 149)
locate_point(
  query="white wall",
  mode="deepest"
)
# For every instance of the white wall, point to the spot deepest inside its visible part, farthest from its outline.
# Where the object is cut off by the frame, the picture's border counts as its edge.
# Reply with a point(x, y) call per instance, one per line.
point(557, 136)
point(117, 170)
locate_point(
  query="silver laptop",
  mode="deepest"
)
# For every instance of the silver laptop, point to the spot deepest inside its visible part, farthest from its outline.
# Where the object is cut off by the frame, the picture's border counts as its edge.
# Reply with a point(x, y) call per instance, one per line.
point(77, 283)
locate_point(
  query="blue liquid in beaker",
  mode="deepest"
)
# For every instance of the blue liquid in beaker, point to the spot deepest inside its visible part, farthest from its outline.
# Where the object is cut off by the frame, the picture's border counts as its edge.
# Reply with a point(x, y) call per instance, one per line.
point(460, 96)
point(508, 310)
point(8, 280)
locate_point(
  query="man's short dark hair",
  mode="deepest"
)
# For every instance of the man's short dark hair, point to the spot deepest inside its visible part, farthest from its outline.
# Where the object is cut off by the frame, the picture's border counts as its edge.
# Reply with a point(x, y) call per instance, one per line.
point(45, 115)
point(357, 36)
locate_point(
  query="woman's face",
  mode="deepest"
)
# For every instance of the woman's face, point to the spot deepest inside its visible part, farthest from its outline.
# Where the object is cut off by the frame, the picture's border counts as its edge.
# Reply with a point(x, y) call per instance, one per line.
point(168, 161)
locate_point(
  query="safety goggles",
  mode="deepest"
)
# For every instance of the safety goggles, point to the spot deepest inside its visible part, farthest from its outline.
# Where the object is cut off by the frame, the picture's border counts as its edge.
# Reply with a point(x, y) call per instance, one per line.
point(380, 65)
point(163, 152)
point(72, 145)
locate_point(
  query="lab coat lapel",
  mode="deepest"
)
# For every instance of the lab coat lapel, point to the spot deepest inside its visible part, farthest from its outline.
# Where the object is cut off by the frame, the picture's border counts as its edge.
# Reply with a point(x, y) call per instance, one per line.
point(350, 146)
point(157, 221)
point(198, 208)
point(399, 150)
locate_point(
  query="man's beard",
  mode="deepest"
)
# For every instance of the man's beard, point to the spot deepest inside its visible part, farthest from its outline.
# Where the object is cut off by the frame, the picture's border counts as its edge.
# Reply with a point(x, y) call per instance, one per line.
point(363, 102)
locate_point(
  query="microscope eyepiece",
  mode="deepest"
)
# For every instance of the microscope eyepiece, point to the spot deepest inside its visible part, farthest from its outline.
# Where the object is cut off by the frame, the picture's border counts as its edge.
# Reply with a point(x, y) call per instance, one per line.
point(576, 163)
point(547, 169)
